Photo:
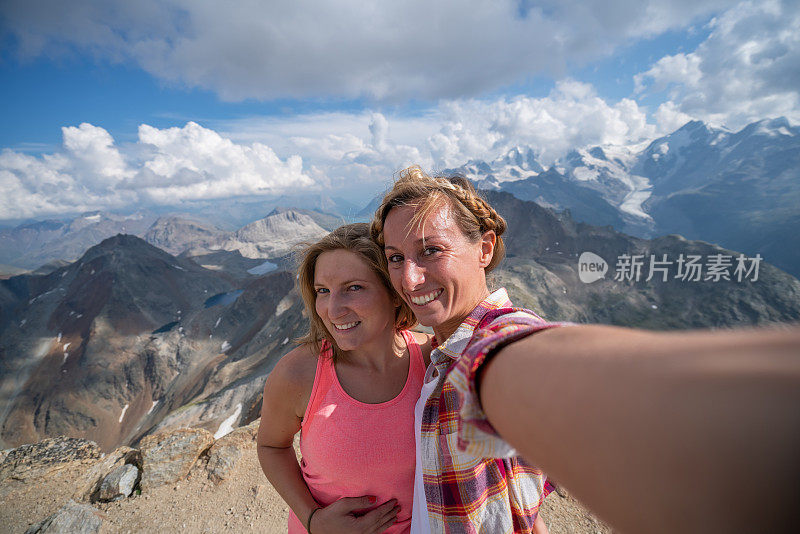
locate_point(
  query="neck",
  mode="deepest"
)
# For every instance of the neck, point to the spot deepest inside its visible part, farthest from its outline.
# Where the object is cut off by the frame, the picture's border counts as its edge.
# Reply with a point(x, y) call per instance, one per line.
point(379, 352)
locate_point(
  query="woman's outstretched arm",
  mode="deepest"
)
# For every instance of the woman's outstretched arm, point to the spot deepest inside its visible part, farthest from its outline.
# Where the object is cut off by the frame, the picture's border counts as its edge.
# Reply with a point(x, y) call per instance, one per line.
point(658, 432)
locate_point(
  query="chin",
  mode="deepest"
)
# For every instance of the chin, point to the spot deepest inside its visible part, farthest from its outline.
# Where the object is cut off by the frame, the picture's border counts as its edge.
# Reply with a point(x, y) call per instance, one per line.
point(431, 319)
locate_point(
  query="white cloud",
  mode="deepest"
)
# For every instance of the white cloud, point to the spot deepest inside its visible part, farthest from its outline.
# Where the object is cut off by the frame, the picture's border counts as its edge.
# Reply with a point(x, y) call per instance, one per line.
point(357, 152)
point(383, 50)
point(368, 147)
point(167, 166)
point(747, 69)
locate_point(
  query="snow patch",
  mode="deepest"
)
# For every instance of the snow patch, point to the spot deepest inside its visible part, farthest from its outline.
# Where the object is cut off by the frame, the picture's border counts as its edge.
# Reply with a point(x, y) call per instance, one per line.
point(152, 407)
point(663, 148)
point(59, 337)
point(285, 341)
point(122, 415)
point(263, 268)
point(217, 323)
point(66, 345)
point(92, 217)
point(585, 174)
point(227, 425)
point(641, 191)
point(179, 267)
point(22, 323)
point(66, 355)
point(283, 305)
point(225, 346)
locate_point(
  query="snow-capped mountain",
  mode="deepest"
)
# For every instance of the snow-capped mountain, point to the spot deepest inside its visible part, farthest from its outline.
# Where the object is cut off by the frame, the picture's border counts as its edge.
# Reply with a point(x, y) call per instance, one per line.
point(738, 189)
point(516, 164)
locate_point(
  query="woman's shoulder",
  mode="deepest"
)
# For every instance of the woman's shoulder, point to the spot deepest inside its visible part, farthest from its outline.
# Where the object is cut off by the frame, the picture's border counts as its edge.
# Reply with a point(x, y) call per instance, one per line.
point(425, 342)
point(297, 367)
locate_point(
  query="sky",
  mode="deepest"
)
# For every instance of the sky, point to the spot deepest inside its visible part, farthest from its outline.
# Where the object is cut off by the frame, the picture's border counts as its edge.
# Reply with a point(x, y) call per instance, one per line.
point(112, 105)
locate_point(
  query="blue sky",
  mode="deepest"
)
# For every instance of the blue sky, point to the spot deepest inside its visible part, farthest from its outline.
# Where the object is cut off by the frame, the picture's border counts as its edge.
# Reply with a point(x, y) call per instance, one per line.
point(113, 105)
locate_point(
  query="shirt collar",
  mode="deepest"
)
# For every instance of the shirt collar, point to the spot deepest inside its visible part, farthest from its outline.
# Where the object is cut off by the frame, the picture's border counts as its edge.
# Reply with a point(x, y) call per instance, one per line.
point(454, 345)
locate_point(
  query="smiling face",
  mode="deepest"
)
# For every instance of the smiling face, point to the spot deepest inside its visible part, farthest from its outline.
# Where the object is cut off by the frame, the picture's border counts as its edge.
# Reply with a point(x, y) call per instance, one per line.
point(435, 267)
point(351, 300)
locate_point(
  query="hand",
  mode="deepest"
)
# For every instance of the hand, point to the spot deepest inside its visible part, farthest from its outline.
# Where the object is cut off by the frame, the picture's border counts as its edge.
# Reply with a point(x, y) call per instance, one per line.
point(340, 516)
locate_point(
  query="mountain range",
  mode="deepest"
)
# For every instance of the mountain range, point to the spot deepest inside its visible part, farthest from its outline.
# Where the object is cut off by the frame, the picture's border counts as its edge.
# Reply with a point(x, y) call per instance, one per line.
point(47, 245)
point(740, 190)
point(130, 339)
point(124, 325)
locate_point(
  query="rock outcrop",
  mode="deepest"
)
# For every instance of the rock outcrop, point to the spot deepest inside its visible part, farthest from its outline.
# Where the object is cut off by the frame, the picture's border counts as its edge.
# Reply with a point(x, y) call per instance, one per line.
point(36, 459)
point(228, 450)
point(73, 518)
point(169, 456)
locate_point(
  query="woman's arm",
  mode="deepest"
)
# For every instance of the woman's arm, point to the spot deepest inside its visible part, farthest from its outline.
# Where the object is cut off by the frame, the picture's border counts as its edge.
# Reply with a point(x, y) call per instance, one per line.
point(658, 432)
point(286, 392)
point(286, 395)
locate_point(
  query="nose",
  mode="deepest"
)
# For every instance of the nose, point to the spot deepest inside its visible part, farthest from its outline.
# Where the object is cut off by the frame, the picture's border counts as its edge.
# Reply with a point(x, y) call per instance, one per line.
point(412, 276)
point(336, 305)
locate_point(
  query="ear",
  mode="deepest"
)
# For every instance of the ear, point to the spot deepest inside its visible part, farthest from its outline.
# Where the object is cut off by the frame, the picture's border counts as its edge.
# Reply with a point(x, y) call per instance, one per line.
point(487, 243)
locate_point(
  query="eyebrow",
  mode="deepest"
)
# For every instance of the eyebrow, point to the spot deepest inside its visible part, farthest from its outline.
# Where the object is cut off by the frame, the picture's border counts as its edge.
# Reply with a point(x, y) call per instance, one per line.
point(346, 282)
point(417, 242)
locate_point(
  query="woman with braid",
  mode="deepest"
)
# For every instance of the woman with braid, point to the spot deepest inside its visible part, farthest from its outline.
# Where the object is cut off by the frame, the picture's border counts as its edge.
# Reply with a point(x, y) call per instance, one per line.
point(655, 432)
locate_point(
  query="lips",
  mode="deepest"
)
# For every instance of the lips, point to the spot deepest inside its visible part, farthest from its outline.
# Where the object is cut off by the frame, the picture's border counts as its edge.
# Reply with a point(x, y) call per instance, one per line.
point(421, 300)
point(346, 326)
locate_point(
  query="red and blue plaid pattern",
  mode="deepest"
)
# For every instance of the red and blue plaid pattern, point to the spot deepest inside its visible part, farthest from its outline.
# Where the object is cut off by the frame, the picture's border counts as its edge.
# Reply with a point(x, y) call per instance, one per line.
point(474, 481)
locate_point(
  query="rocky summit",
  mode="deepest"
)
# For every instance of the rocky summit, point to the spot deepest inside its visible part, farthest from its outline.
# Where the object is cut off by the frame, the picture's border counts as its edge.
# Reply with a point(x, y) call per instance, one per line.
point(218, 488)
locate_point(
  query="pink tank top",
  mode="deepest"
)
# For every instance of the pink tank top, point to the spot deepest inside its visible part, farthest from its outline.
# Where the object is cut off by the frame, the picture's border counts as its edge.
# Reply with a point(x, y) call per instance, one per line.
point(351, 448)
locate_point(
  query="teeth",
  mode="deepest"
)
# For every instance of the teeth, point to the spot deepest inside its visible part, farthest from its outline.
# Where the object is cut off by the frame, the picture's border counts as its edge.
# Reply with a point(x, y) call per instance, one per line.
point(424, 299)
point(346, 326)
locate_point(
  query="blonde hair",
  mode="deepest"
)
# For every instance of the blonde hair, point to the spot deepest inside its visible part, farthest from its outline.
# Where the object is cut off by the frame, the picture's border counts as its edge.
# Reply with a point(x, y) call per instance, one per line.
point(474, 216)
point(356, 239)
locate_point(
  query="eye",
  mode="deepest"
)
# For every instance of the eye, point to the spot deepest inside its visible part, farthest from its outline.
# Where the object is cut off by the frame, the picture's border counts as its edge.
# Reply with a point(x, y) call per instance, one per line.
point(428, 251)
point(395, 258)
point(322, 290)
point(355, 287)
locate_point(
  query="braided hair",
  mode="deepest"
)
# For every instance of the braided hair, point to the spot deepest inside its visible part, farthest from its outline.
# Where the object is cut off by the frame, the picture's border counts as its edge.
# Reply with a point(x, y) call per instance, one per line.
point(473, 214)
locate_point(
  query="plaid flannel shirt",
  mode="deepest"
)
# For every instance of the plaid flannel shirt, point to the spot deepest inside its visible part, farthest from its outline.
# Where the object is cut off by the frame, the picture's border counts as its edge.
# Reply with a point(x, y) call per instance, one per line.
point(474, 481)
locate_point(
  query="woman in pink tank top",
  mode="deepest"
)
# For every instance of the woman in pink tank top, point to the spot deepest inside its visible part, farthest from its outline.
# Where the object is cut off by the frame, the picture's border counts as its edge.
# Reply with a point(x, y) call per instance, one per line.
point(350, 388)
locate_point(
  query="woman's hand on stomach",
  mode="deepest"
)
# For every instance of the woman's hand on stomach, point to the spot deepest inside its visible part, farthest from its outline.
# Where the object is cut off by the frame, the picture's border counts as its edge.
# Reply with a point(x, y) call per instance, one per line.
point(343, 516)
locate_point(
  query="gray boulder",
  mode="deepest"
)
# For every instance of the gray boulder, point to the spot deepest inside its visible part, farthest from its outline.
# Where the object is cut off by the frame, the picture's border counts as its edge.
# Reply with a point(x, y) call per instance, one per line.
point(87, 486)
point(119, 483)
point(72, 518)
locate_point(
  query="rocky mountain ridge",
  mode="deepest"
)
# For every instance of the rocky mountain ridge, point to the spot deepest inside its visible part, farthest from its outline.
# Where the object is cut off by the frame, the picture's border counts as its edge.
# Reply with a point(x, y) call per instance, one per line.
point(43, 247)
point(109, 346)
point(130, 339)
